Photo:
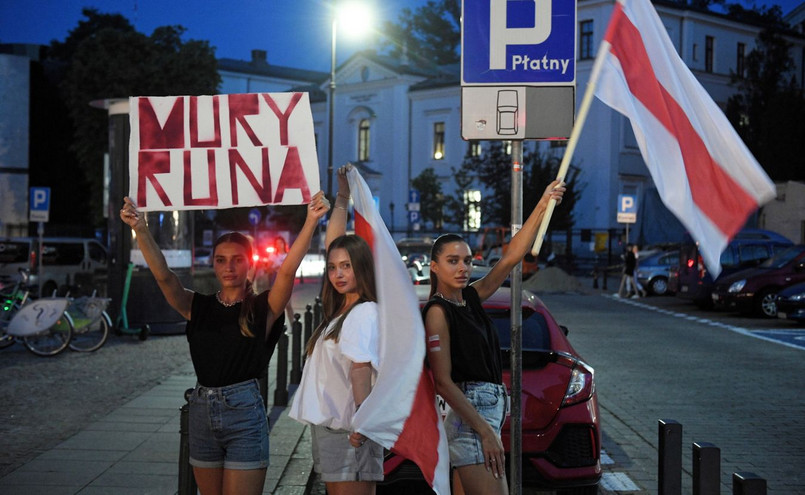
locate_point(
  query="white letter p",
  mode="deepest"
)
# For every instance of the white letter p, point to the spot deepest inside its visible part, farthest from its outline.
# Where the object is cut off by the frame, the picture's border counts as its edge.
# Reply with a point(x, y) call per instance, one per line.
point(500, 36)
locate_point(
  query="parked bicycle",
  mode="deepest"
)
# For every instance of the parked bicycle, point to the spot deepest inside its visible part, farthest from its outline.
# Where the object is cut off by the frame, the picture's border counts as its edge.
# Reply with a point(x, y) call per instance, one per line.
point(43, 326)
point(91, 322)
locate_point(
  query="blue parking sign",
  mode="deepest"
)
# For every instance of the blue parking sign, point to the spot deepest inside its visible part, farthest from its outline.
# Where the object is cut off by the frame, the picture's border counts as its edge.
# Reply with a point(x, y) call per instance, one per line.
point(518, 42)
point(39, 205)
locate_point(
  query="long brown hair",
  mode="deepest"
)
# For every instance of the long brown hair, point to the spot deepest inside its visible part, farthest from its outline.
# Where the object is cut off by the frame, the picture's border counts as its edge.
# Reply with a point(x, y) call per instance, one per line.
point(360, 256)
point(435, 252)
point(246, 316)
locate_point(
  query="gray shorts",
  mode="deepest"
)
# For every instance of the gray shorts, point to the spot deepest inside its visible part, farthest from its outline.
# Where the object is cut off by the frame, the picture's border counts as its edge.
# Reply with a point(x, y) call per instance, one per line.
point(489, 399)
point(336, 460)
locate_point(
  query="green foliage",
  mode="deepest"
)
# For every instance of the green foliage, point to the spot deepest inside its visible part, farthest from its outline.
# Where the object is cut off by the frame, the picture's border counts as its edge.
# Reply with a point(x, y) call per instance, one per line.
point(493, 170)
point(431, 34)
point(105, 57)
point(767, 110)
point(431, 199)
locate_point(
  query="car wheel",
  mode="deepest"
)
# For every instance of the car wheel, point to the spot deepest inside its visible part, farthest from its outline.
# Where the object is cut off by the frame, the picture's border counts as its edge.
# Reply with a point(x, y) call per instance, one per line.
point(659, 286)
point(766, 303)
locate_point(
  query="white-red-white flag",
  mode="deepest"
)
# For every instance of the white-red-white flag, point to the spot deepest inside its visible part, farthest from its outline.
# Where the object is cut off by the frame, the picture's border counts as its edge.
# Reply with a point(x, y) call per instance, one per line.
point(704, 173)
point(401, 412)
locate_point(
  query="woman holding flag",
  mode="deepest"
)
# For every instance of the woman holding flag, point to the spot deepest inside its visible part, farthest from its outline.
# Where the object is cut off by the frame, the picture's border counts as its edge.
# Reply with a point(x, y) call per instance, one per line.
point(342, 361)
point(464, 352)
point(232, 335)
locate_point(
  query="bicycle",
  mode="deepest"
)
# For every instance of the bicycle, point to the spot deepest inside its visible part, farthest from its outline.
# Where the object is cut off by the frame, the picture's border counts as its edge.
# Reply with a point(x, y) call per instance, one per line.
point(91, 321)
point(44, 326)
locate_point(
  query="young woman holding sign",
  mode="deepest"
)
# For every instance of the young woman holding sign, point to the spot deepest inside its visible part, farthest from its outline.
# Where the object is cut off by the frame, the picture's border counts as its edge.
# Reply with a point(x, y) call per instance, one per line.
point(232, 335)
point(464, 352)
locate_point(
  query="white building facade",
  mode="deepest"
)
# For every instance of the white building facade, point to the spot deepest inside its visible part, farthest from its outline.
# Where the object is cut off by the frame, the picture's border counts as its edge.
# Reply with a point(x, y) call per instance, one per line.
point(395, 120)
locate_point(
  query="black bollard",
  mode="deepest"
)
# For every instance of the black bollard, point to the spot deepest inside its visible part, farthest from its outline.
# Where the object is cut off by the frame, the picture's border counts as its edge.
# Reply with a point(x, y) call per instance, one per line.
point(308, 323)
point(746, 483)
point(296, 350)
point(317, 312)
point(595, 277)
point(669, 469)
point(706, 469)
point(281, 391)
point(187, 482)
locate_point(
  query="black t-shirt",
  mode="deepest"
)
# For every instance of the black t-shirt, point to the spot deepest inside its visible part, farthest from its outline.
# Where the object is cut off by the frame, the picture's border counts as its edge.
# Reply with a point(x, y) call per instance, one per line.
point(474, 343)
point(630, 262)
point(221, 354)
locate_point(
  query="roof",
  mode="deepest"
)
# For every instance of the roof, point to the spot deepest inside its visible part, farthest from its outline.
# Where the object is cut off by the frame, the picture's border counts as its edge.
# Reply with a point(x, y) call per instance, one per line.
point(263, 68)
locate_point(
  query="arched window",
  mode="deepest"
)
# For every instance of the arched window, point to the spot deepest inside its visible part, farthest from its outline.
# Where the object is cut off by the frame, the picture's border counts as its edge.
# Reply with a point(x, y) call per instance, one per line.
point(364, 135)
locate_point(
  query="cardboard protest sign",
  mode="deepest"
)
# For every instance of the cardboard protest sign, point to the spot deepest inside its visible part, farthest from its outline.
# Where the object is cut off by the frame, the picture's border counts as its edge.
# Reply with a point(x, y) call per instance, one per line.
point(222, 151)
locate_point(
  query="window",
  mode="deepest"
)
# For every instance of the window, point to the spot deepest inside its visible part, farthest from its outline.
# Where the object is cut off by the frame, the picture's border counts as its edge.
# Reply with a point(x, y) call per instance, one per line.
point(475, 149)
point(472, 202)
point(695, 52)
point(438, 141)
point(586, 40)
point(363, 140)
point(740, 59)
point(709, 41)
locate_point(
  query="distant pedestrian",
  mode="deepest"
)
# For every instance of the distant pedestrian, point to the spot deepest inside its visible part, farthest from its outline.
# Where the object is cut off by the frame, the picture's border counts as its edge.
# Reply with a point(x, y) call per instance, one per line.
point(639, 290)
point(232, 335)
point(464, 352)
point(342, 361)
point(628, 279)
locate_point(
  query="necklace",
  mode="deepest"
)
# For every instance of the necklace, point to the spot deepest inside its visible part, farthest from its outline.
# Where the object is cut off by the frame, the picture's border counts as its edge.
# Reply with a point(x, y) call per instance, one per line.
point(460, 304)
point(224, 303)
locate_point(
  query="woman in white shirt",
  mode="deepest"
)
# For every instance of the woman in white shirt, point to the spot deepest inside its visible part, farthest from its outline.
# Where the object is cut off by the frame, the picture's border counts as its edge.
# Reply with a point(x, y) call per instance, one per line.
point(342, 361)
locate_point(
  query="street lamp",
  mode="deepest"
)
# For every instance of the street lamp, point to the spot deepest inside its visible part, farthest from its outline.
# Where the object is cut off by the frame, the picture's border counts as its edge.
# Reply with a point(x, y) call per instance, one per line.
point(355, 19)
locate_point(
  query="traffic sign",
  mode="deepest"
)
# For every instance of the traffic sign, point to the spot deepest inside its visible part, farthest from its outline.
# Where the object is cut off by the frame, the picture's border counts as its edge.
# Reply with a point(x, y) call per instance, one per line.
point(39, 205)
point(254, 217)
point(518, 43)
point(627, 208)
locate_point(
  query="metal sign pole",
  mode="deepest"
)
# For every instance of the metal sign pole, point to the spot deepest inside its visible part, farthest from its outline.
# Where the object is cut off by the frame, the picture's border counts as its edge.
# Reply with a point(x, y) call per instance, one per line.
point(41, 231)
point(516, 427)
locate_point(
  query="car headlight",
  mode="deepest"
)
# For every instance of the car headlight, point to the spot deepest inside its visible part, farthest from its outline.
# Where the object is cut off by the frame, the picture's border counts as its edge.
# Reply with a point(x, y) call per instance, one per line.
point(581, 386)
point(737, 286)
point(797, 297)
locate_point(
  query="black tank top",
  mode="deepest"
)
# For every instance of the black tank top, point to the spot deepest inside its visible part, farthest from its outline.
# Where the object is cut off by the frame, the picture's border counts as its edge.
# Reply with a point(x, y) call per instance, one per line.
point(474, 343)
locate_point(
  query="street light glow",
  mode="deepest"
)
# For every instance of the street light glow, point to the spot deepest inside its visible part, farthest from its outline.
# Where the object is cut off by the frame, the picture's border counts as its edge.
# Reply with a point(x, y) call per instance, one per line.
point(354, 18)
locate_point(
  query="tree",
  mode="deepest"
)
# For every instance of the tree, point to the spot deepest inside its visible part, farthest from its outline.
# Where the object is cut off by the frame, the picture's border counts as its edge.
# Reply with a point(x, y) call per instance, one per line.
point(492, 169)
point(431, 34)
point(431, 199)
point(105, 57)
point(767, 110)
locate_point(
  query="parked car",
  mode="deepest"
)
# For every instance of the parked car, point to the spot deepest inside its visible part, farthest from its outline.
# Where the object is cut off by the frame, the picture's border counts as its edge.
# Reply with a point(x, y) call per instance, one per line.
point(653, 271)
point(66, 261)
point(754, 290)
point(748, 248)
point(561, 433)
point(202, 256)
point(415, 249)
point(791, 302)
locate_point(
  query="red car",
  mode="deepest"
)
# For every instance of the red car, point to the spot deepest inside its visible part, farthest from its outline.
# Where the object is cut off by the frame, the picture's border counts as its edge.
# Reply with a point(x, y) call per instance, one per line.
point(561, 444)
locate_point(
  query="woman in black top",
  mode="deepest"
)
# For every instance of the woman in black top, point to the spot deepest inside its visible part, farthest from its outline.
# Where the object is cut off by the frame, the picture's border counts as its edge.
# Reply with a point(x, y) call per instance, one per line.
point(464, 352)
point(232, 335)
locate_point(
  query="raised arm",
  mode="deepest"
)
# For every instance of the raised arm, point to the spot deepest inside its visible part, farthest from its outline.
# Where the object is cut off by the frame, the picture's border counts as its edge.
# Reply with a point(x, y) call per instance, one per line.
point(280, 293)
point(337, 226)
point(177, 296)
point(520, 244)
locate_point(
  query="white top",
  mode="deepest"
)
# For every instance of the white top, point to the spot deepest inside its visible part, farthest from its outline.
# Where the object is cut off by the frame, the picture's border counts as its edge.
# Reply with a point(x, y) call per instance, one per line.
point(324, 396)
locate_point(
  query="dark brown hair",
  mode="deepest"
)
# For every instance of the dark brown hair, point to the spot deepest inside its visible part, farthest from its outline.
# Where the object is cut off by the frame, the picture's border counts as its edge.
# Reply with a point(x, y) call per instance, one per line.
point(246, 315)
point(360, 256)
point(436, 251)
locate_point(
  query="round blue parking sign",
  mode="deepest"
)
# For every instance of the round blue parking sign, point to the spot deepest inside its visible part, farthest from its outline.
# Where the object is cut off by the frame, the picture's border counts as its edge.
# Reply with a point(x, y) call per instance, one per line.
point(254, 217)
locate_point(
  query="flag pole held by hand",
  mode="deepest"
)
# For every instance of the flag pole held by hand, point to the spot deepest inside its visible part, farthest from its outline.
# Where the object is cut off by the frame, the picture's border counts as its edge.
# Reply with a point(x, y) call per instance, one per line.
point(571, 143)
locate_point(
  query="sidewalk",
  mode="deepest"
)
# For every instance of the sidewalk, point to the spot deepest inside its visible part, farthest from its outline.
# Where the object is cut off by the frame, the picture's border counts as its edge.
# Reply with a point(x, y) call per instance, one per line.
point(135, 448)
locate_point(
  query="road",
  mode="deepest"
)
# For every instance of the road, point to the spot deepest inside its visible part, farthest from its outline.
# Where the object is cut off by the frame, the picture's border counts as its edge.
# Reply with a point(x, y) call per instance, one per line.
point(729, 380)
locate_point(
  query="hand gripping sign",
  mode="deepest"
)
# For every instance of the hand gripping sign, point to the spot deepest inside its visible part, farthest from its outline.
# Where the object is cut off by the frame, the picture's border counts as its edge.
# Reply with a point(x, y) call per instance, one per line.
point(211, 152)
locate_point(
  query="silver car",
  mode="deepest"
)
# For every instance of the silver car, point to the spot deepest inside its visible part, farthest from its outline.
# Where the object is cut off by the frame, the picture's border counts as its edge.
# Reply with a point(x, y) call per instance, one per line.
point(653, 271)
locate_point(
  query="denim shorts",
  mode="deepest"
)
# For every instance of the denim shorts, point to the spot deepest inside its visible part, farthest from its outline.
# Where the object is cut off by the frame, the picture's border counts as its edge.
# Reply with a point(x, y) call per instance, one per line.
point(489, 399)
point(335, 459)
point(228, 427)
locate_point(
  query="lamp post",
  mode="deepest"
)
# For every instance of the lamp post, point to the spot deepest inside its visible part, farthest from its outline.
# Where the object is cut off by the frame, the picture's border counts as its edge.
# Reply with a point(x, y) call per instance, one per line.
point(330, 113)
point(356, 18)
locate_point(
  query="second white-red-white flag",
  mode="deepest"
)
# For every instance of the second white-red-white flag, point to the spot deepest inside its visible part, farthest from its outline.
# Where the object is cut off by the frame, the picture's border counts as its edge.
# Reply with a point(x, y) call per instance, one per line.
point(401, 412)
point(704, 173)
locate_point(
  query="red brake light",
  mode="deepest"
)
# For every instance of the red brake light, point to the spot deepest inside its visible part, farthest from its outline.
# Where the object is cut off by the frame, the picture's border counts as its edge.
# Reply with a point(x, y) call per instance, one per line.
point(690, 263)
point(270, 249)
point(256, 257)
